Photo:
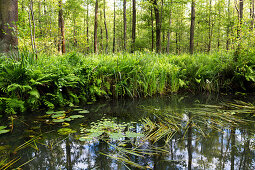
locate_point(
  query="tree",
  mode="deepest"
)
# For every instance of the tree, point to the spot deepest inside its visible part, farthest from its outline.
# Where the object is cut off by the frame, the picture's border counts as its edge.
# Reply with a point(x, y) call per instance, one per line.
point(125, 23)
point(158, 27)
point(61, 26)
point(106, 30)
point(8, 19)
point(114, 28)
point(95, 27)
point(133, 26)
point(192, 27)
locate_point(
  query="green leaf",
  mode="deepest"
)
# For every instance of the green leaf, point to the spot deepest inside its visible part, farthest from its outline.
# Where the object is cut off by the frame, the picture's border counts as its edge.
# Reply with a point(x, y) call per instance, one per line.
point(65, 131)
point(4, 131)
point(77, 109)
point(83, 112)
point(76, 116)
point(58, 120)
point(2, 127)
point(57, 116)
point(133, 135)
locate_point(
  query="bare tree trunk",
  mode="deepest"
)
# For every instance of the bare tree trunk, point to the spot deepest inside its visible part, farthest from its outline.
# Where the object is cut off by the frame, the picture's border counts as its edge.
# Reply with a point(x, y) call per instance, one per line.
point(61, 26)
point(158, 32)
point(88, 25)
point(8, 19)
point(133, 26)
point(240, 18)
point(125, 24)
point(101, 33)
point(228, 27)
point(106, 30)
point(169, 29)
point(252, 15)
point(192, 27)
point(210, 27)
point(95, 27)
point(40, 16)
point(152, 30)
point(114, 29)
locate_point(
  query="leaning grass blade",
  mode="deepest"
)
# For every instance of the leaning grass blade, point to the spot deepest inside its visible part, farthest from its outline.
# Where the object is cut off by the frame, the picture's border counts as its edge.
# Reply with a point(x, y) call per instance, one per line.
point(9, 164)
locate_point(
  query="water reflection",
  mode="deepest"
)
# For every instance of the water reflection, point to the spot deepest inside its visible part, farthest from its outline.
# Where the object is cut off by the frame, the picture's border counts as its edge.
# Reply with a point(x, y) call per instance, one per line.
point(198, 146)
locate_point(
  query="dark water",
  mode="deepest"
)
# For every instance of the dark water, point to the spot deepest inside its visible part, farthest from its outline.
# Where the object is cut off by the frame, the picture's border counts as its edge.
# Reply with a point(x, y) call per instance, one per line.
point(200, 146)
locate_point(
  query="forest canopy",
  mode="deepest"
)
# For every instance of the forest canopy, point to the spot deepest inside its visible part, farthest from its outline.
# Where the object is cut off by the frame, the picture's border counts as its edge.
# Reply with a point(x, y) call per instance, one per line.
point(164, 26)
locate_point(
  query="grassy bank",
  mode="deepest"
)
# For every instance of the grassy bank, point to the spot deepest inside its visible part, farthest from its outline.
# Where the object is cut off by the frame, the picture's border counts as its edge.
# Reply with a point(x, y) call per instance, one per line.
point(73, 78)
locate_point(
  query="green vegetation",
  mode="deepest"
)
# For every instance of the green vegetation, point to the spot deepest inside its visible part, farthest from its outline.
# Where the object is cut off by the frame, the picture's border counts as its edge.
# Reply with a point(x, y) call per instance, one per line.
point(54, 81)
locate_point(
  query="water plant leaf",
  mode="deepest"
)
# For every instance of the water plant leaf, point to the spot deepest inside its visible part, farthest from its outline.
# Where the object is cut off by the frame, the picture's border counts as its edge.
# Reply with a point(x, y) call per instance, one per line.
point(133, 134)
point(60, 112)
point(50, 112)
point(67, 119)
point(76, 116)
point(77, 109)
point(83, 112)
point(58, 120)
point(116, 136)
point(4, 131)
point(57, 116)
point(65, 131)
point(3, 127)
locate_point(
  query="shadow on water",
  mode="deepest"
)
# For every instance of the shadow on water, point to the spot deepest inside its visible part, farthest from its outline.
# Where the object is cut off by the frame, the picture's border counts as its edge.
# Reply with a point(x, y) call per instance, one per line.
point(195, 141)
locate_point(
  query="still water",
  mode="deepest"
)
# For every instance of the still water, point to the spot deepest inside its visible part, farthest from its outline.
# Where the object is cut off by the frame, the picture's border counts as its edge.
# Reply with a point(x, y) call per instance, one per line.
point(202, 144)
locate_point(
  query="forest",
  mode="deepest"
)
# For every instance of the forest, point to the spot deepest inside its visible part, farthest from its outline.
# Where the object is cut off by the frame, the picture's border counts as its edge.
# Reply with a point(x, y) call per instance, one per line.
point(127, 84)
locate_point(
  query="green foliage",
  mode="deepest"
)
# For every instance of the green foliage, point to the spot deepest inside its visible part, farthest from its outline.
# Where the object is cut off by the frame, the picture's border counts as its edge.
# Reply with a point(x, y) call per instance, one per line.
point(68, 80)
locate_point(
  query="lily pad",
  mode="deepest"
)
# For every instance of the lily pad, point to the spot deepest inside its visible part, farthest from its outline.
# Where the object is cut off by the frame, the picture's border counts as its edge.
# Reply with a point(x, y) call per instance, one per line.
point(57, 116)
point(76, 116)
point(67, 119)
point(77, 109)
point(50, 112)
point(133, 135)
point(60, 112)
point(83, 112)
point(58, 120)
point(65, 131)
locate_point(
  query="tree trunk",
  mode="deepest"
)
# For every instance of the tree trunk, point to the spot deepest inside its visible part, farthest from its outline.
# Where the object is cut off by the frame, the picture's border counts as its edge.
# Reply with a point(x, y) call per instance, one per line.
point(133, 26)
point(61, 27)
point(8, 18)
point(125, 24)
point(169, 29)
point(106, 30)
point(88, 25)
point(252, 15)
point(240, 19)
point(114, 29)
point(228, 27)
point(158, 32)
point(192, 27)
point(39, 19)
point(74, 32)
point(95, 27)
point(210, 27)
point(152, 30)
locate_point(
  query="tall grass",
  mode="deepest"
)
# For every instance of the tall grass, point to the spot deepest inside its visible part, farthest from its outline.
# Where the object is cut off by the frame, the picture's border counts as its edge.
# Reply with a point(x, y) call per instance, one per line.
point(73, 78)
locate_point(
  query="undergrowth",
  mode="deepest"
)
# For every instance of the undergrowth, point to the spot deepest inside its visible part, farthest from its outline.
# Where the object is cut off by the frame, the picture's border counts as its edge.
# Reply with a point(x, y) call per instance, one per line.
point(52, 81)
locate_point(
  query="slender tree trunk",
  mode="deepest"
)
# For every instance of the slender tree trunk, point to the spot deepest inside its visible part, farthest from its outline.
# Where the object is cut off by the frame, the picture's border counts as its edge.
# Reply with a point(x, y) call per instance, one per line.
point(219, 24)
point(40, 16)
point(133, 26)
point(240, 18)
point(61, 27)
point(88, 25)
point(114, 28)
point(228, 27)
point(8, 18)
point(210, 27)
point(101, 33)
point(158, 32)
point(95, 27)
point(152, 30)
point(169, 29)
point(192, 27)
point(252, 15)
point(125, 24)
point(74, 32)
point(106, 30)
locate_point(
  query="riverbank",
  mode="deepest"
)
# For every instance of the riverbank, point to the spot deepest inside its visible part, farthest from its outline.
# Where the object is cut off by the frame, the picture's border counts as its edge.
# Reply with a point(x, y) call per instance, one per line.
point(54, 81)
